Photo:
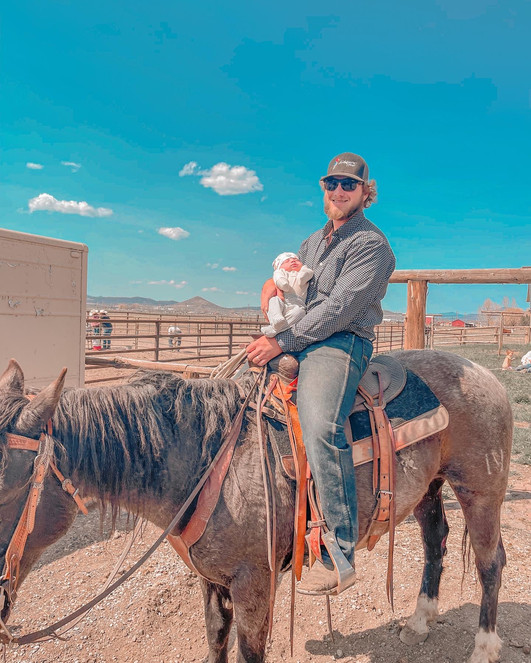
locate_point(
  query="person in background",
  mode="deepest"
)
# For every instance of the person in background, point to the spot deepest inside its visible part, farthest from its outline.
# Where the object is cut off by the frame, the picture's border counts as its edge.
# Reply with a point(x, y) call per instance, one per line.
point(106, 326)
point(174, 336)
point(525, 363)
point(94, 317)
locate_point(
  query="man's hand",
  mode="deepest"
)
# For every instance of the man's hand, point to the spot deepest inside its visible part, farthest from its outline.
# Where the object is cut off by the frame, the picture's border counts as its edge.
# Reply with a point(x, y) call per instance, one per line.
point(263, 350)
point(269, 290)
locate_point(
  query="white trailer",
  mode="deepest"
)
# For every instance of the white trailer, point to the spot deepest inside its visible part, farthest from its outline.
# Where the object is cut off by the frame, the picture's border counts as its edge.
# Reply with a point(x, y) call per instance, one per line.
point(43, 286)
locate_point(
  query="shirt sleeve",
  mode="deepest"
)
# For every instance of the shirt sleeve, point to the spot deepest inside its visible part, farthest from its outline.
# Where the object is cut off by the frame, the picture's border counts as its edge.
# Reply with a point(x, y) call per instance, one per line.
point(362, 282)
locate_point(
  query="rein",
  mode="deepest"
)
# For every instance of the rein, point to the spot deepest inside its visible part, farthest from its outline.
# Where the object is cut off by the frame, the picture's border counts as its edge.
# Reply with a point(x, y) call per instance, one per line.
point(20, 442)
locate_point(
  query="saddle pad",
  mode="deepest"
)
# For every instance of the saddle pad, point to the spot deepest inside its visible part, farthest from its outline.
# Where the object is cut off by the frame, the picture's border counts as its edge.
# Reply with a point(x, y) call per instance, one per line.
point(415, 399)
point(415, 414)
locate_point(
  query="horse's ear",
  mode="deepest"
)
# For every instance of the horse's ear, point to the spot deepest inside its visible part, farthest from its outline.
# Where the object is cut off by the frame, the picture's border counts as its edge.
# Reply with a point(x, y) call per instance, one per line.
point(35, 415)
point(12, 379)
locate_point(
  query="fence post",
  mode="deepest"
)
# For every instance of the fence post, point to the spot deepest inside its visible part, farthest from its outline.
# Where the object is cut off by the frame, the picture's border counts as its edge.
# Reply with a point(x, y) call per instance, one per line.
point(157, 339)
point(231, 332)
point(198, 339)
point(500, 336)
point(417, 292)
point(137, 328)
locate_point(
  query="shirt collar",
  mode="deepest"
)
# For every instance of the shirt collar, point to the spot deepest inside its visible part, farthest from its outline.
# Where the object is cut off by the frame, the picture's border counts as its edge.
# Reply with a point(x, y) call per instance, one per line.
point(347, 228)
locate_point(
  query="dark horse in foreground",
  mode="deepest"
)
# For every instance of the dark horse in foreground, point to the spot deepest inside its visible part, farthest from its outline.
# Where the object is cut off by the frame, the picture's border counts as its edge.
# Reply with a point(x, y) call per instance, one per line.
point(143, 446)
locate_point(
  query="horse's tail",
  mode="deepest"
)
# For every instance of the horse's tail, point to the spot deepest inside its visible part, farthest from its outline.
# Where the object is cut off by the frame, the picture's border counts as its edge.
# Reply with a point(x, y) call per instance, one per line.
point(465, 554)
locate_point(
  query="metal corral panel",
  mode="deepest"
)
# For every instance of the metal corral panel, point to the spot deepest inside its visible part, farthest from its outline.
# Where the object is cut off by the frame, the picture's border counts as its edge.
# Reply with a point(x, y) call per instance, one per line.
point(43, 286)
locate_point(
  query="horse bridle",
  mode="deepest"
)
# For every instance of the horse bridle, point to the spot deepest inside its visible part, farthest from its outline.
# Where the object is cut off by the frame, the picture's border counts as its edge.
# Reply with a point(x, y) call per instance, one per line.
point(45, 460)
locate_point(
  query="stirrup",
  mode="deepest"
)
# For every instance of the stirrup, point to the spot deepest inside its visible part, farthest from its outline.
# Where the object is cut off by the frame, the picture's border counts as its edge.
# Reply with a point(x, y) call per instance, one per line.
point(344, 569)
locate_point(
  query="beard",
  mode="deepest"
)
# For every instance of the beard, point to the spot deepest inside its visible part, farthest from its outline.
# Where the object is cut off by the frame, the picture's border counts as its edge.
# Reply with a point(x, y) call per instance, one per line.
point(335, 214)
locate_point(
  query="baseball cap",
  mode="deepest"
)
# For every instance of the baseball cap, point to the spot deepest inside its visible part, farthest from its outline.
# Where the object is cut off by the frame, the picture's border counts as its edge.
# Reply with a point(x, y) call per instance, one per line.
point(348, 164)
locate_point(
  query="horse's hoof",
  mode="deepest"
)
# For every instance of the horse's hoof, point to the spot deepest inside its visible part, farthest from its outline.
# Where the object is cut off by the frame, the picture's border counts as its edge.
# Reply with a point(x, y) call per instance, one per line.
point(411, 637)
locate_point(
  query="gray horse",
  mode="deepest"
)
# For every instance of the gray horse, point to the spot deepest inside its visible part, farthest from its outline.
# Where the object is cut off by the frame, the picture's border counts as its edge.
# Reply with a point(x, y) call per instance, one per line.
point(144, 445)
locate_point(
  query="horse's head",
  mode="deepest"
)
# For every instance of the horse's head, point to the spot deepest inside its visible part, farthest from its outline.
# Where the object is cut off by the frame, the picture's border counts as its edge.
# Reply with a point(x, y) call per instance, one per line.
point(27, 418)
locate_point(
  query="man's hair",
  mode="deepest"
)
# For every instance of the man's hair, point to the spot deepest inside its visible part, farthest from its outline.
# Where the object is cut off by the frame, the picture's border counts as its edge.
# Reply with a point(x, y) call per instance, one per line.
point(373, 193)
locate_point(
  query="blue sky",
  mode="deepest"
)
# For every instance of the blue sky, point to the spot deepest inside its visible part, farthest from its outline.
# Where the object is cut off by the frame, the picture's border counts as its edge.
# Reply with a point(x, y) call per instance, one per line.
point(106, 106)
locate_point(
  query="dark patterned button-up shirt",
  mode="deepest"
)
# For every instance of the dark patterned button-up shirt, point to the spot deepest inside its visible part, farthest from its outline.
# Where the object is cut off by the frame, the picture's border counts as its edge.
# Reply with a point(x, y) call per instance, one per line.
point(350, 280)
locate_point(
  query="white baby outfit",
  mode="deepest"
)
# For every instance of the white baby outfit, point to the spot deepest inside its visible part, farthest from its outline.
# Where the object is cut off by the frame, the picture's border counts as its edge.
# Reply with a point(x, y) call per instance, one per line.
point(283, 314)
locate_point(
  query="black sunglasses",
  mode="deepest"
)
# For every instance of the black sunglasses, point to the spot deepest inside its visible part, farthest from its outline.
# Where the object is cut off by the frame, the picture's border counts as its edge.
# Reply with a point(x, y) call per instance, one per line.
point(348, 184)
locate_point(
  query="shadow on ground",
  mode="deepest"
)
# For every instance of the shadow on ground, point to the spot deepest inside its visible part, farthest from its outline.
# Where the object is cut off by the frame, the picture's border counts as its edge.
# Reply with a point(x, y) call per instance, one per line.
point(451, 639)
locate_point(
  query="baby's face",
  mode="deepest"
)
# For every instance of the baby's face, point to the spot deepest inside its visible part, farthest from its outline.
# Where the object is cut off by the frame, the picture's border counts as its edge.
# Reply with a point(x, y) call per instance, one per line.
point(291, 265)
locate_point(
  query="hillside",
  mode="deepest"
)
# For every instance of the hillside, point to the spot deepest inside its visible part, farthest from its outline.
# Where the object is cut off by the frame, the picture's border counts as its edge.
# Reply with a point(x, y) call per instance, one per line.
point(192, 306)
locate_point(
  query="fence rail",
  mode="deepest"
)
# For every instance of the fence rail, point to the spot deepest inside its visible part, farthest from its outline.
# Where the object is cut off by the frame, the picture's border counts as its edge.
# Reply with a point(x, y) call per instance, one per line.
point(207, 341)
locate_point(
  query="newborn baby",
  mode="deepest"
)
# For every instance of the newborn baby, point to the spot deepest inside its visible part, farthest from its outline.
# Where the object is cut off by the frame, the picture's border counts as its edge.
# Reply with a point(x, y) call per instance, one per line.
point(292, 277)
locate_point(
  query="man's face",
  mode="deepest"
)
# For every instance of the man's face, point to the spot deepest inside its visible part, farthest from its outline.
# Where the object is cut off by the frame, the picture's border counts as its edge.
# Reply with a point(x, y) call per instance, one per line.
point(291, 265)
point(340, 204)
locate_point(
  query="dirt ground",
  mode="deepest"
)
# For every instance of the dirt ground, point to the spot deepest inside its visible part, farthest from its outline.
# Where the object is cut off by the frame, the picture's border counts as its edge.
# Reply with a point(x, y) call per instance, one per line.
point(157, 614)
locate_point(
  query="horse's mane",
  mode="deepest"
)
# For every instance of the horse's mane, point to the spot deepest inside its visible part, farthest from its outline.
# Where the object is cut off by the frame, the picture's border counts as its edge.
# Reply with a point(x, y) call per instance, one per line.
point(117, 439)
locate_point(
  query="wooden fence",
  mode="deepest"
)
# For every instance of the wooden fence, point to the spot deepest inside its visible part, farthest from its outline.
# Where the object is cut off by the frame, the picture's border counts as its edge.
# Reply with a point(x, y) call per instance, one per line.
point(207, 341)
point(479, 335)
point(204, 341)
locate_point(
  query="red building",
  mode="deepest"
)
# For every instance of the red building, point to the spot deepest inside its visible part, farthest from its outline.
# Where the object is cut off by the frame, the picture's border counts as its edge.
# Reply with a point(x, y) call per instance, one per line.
point(458, 323)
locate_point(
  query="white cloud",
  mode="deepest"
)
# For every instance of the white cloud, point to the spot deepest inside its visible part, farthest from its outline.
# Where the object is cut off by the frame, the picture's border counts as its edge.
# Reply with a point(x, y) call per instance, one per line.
point(188, 169)
point(46, 202)
point(229, 269)
point(307, 203)
point(71, 164)
point(229, 180)
point(241, 292)
point(34, 166)
point(213, 289)
point(174, 233)
point(212, 265)
point(135, 282)
point(173, 283)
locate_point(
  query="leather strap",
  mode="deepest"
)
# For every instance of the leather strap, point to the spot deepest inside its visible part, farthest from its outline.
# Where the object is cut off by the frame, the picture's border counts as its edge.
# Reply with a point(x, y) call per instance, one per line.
point(384, 516)
point(26, 522)
point(209, 496)
point(284, 392)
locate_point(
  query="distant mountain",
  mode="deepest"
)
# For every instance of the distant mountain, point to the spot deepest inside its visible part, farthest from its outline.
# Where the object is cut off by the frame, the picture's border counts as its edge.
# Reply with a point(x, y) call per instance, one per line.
point(115, 301)
point(201, 303)
point(195, 305)
point(192, 306)
point(393, 316)
point(454, 315)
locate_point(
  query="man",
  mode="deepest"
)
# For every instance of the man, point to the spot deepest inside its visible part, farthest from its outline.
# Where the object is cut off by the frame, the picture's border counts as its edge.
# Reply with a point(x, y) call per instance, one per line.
point(352, 263)
point(174, 336)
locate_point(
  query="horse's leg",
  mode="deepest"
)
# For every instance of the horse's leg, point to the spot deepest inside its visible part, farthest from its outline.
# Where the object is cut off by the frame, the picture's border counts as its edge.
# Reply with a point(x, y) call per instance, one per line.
point(250, 591)
point(430, 515)
point(218, 618)
point(482, 517)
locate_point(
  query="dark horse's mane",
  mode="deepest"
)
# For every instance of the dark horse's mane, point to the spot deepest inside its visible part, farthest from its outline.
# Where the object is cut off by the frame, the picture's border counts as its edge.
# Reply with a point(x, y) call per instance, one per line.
point(117, 439)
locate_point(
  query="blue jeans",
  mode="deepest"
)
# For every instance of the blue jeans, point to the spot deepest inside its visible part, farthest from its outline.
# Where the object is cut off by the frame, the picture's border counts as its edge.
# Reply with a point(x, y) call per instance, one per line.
point(329, 375)
point(107, 331)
